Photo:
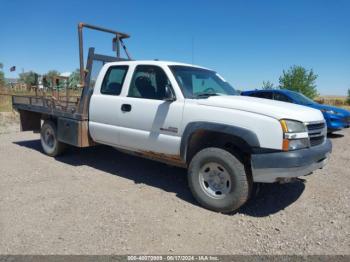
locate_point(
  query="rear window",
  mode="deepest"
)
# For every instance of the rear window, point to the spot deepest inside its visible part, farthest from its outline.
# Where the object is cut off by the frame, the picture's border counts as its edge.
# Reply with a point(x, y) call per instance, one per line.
point(114, 79)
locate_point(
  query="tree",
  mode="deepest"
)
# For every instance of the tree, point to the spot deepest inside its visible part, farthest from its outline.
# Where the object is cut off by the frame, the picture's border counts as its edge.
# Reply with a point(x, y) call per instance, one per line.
point(299, 79)
point(348, 98)
point(48, 77)
point(52, 73)
point(2, 79)
point(74, 79)
point(29, 78)
point(2, 76)
point(267, 85)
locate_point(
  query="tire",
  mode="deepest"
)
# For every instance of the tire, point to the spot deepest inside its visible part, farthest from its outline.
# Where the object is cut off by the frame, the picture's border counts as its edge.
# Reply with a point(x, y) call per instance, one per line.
point(218, 180)
point(49, 142)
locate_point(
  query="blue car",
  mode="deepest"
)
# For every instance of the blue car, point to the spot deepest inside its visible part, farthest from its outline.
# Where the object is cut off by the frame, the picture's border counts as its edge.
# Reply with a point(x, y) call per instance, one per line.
point(337, 118)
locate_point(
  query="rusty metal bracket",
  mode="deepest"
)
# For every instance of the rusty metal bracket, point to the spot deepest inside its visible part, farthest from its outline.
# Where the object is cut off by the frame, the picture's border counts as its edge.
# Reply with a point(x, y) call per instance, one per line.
point(85, 73)
point(117, 41)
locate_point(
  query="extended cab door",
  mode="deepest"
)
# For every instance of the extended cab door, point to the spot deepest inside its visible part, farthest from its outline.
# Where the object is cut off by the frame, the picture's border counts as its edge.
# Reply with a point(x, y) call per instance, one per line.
point(105, 105)
point(149, 119)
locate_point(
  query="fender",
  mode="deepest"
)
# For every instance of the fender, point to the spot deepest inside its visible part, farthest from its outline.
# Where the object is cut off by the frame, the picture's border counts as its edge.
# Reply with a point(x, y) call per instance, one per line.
point(247, 135)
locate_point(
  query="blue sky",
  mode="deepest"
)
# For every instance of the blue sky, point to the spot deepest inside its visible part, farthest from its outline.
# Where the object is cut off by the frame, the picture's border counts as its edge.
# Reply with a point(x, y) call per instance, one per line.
point(245, 41)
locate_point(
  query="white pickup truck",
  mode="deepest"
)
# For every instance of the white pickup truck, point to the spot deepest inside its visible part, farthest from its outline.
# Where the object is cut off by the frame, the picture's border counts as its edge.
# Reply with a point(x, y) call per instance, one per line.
point(191, 117)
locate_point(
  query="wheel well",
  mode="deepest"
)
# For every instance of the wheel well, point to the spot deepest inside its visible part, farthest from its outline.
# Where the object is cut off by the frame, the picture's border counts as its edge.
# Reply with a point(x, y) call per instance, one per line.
point(205, 138)
point(45, 117)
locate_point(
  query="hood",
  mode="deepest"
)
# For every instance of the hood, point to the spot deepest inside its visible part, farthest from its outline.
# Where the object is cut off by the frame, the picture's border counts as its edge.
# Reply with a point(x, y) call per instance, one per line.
point(339, 111)
point(276, 109)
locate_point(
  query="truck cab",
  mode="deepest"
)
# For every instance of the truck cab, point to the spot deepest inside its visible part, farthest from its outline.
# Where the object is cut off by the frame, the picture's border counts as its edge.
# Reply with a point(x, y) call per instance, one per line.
point(172, 111)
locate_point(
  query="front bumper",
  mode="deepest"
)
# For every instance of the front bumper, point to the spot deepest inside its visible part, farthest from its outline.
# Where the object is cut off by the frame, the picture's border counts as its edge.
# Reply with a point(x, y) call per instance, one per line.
point(274, 167)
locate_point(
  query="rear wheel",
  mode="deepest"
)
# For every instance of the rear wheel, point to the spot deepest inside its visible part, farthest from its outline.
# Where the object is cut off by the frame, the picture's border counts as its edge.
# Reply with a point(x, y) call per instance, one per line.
point(218, 180)
point(49, 142)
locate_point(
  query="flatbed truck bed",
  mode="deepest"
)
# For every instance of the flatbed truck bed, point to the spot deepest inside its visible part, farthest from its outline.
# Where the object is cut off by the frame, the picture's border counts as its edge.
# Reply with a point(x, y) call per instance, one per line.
point(70, 114)
point(72, 127)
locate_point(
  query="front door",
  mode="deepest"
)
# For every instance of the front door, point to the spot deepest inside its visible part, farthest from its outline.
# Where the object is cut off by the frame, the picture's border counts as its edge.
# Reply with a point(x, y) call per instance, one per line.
point(147, 121)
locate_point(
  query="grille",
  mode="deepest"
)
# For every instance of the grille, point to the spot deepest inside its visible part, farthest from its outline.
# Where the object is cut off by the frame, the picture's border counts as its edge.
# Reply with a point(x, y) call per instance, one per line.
point(317, 132)
point(315, 126)
point(316, 140)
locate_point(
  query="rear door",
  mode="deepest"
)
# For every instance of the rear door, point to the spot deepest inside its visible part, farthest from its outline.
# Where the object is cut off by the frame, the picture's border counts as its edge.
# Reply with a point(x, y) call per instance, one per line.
point(105, 104)
point(147, 121)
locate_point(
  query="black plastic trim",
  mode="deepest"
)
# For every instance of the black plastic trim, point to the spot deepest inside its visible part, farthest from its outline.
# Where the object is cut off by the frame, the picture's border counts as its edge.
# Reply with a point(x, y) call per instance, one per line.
point(248, 136)
point(290, 159)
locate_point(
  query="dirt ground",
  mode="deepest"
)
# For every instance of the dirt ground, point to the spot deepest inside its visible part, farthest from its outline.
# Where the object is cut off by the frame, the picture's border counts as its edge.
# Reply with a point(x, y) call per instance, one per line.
point(100, 201)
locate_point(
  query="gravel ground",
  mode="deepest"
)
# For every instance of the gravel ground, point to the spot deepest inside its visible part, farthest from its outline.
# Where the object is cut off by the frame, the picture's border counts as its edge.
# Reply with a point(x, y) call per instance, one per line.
point(100, 201)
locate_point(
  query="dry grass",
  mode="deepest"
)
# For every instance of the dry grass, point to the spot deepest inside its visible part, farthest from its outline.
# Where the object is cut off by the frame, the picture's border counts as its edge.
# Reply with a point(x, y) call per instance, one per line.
point(339, 101)
point(5, 103)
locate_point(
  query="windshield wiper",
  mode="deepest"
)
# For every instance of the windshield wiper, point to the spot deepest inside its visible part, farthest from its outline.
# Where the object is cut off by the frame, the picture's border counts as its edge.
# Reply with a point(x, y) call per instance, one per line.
point(205, 95)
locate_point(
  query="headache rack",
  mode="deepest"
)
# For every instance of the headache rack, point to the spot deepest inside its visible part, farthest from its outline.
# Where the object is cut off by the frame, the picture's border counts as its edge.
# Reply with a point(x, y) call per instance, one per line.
point(71, 108)
point(85, 74)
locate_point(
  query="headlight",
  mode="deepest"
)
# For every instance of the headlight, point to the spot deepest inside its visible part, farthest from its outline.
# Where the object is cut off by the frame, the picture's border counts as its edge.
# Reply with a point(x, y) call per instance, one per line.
point(295, 135)
point(291, 126)
point(298, 143)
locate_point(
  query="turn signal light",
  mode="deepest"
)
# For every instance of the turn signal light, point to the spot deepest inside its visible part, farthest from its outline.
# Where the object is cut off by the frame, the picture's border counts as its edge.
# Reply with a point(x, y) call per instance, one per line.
point(285, 145)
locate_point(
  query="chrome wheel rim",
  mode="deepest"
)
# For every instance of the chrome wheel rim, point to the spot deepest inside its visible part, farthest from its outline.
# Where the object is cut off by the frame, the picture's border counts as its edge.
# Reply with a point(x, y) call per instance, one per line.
point(215, 181)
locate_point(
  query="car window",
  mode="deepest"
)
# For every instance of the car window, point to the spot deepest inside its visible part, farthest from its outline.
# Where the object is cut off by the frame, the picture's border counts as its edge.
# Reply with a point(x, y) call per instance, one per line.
point(300, 99)
point(267, 95)
point(198, 82)
point(114, 79)
point(281, 97)
point(149, 82)
point(200, 85)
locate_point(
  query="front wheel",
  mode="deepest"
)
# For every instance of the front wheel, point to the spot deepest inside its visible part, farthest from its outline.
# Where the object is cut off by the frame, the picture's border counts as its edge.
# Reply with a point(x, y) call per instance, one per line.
point(49, 142)
point(218, 180)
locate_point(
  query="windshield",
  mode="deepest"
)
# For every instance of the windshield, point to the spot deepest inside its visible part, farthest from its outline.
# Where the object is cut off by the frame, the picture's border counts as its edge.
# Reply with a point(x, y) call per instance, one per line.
point(200, 83)
point(301, 99)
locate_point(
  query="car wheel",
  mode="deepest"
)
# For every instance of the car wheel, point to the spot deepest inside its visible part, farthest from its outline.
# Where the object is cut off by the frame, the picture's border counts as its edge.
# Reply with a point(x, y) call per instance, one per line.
point(49, 142)
point(218, 180)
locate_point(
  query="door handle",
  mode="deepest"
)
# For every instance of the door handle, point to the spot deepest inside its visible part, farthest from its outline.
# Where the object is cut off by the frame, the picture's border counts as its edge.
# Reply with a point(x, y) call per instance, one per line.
point(126, 108)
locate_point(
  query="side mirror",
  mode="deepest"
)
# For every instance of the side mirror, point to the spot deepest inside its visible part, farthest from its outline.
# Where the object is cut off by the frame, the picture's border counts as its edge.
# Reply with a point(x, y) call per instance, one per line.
point(169, 96)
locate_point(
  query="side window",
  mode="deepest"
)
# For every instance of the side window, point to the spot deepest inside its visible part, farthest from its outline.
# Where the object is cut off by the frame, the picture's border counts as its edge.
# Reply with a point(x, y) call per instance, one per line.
point(149, 82)
point(266, 95)
point(113, 81)
point(281, 97)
